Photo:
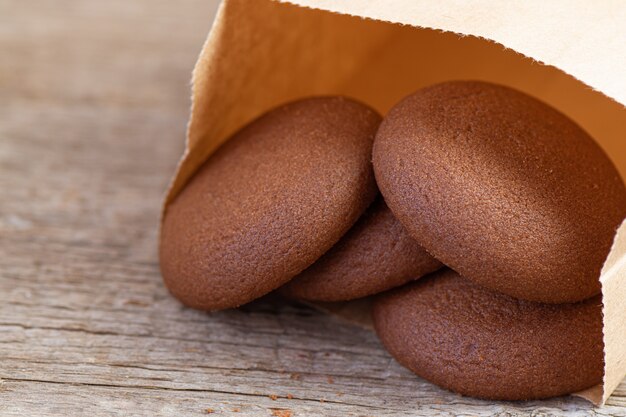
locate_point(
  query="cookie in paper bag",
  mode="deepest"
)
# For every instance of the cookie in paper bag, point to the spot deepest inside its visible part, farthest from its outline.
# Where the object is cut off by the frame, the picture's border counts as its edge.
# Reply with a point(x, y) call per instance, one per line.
point(269, 202)
point(481, 343)
point(376, 254)
point(502, 188)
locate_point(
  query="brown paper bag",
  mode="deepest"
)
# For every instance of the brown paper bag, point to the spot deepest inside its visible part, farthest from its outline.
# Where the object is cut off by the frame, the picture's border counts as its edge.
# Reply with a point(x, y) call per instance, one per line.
point(261, 53)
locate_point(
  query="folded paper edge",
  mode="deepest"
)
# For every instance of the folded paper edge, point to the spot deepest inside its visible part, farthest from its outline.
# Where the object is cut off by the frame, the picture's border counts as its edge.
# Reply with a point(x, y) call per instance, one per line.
point(613, 280)
point(349, 8)
point(212, 38)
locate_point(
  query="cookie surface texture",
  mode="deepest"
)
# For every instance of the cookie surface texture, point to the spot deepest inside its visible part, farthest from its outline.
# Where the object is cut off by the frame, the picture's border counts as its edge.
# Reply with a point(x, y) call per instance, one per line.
point(375, 255)
point(502, 188)
point(270, 201)
point(484, 344)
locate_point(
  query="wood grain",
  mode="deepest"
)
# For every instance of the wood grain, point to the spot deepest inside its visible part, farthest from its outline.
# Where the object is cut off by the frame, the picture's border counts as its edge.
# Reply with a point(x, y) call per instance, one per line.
point(93, 106)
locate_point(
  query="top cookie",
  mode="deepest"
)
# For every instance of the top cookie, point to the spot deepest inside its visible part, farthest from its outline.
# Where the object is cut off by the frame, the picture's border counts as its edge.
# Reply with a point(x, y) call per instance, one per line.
point(377, 254)
point(269, 202)
point(502, 188)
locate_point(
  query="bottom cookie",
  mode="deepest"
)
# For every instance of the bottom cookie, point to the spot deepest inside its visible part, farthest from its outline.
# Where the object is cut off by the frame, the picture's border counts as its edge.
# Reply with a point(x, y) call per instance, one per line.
point(483, 344)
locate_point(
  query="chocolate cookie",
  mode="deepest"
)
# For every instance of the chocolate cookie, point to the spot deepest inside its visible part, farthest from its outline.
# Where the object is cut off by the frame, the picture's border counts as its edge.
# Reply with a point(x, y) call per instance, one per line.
point(375, 255)
point(502, 188)
point(484, 344)
point(269, 202)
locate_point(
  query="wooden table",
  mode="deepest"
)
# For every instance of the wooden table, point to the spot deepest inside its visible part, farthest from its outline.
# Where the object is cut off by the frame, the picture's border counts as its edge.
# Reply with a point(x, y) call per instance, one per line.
point(93, 106)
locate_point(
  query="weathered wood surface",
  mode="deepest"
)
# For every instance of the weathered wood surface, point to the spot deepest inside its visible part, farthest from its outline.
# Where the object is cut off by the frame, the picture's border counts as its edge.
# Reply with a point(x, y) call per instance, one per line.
point(93, 106)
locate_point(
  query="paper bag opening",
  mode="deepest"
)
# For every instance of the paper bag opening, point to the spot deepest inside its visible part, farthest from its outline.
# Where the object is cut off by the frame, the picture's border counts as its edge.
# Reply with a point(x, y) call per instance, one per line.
point(263, 53)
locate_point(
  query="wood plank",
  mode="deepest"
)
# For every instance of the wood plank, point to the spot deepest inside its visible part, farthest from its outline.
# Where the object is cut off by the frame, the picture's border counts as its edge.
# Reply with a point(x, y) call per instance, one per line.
point(93, 106)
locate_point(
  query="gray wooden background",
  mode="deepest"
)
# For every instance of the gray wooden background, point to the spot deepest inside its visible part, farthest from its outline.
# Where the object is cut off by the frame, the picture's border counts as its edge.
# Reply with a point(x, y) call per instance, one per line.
point(93, 106)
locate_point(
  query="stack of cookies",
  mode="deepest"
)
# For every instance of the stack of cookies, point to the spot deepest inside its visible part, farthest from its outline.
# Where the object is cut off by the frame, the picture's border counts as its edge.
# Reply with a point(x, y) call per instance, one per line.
point(477, 217)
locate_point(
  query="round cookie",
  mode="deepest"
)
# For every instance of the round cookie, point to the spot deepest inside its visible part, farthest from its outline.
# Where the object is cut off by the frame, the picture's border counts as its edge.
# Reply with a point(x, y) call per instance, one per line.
point(484, 344)
point(375, 255)
point(502, 188)
point(272, 200)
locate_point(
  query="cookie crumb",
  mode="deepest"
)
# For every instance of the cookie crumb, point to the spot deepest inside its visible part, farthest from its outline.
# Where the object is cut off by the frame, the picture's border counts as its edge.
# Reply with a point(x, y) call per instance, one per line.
point(281, 412)
point(273, 397)
point(289, 396)
point(330, 380)
point(236, 410)
point(209, 411)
